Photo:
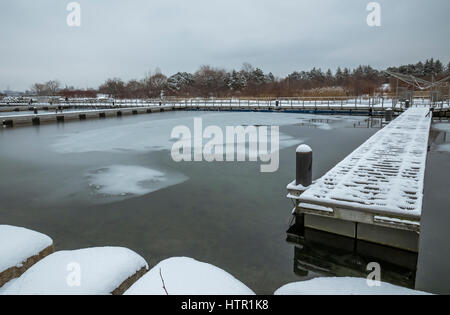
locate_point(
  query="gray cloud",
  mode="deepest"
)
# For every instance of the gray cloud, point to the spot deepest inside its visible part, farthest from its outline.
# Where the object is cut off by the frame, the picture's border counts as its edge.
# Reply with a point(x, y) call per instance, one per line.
point(128, 38)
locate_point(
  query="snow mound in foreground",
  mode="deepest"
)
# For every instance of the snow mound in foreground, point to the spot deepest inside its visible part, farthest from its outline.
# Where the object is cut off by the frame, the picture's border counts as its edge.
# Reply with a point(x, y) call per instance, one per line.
point(17, 244)
point(186, 276)
point(91, 271)
point(120, 180)
point(342, 286)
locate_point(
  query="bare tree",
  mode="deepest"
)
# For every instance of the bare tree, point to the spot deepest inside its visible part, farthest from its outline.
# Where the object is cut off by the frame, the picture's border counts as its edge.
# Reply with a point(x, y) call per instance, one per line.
point(53, 87)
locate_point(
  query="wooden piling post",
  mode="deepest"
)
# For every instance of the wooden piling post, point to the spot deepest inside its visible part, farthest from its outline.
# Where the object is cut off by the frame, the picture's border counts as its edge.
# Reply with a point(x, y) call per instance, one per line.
point(388, 114)
point(303, 165)
point(36, 121)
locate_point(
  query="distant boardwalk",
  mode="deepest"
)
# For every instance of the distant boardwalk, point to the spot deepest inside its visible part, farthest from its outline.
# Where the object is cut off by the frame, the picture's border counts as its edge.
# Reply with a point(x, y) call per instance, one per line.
point(380, 184)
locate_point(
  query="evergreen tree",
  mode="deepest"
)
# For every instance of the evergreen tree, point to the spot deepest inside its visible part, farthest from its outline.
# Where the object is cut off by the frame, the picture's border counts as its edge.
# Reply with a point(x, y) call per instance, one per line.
point(438, 67)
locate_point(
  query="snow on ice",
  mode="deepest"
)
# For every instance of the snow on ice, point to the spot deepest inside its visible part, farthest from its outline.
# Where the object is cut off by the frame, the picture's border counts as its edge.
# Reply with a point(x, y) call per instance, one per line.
point(120, 180)
point(154, 134)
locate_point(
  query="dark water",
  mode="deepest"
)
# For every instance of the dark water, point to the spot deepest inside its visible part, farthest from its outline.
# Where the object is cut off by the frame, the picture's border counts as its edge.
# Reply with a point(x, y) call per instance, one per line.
point(226, 214)
point(433, 272)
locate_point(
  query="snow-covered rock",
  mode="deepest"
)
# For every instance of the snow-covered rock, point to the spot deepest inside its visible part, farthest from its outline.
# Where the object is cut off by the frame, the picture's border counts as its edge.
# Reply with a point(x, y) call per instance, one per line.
point(18, 244)
point(342, 286)
point(91, 271)
point(186, 276)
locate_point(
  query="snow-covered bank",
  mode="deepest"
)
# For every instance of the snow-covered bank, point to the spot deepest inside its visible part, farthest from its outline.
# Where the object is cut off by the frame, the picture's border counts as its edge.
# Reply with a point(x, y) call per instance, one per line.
point(343, 286)
point(19, 249)
point(92, 271)
point(186, 276)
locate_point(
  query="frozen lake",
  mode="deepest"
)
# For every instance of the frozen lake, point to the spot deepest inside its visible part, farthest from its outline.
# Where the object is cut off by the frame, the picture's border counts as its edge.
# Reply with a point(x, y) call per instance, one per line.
point(113, 182)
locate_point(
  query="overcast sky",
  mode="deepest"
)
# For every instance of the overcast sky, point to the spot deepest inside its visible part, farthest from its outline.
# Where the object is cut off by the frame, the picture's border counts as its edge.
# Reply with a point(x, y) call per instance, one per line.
point(126, 39)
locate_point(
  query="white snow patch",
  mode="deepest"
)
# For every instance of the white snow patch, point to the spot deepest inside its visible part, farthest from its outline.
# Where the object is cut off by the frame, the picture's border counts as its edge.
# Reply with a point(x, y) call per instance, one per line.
point(121, 180)
point(102, 270)
point(315, 207)
point(342, 286)
point(304, 149)
point(17, 244)
point(395, 220)
point(186, 276)
point(6, 286)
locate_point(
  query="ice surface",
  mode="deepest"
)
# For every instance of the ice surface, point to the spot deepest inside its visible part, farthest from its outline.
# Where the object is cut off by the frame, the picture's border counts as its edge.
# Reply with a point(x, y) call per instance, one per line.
point(120, 180)
point(186, 276)
point(155, 134)
point(443, 147)
point(342, 286)
point(442, 126)
point(100, 271)
point(18, 244)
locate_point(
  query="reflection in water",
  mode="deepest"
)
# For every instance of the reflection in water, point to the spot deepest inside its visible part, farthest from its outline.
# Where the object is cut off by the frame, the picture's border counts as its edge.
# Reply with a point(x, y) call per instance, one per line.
point(333, 255)
point(438, 137)
point(330, 122)
point(370, 122)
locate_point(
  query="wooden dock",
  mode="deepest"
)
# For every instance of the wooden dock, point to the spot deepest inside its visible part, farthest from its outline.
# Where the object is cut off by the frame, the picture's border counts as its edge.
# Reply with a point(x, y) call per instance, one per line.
point(375, 194)
point(58, 117)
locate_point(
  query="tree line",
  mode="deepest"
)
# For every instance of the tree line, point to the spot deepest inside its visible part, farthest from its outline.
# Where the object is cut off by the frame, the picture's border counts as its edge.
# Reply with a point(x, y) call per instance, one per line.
point(249, 81)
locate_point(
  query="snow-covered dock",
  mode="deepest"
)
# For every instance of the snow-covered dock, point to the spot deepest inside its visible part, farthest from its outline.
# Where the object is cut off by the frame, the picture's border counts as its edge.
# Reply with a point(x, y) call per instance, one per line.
point(11, 114)
point(375, 194)
point(53, 117)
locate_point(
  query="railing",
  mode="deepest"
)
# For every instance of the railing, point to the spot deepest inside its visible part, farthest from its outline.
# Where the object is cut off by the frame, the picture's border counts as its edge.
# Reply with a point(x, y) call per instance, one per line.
point(286, 102)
